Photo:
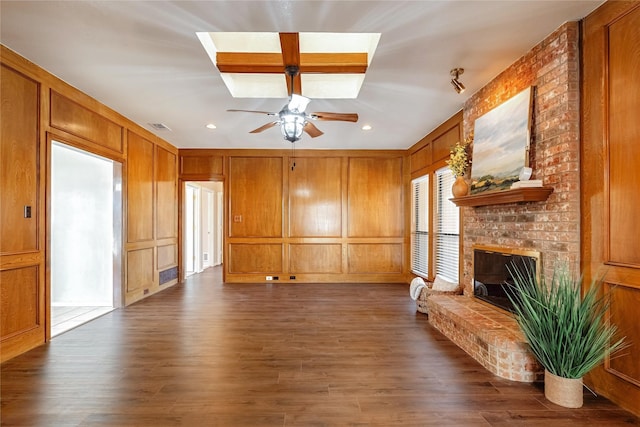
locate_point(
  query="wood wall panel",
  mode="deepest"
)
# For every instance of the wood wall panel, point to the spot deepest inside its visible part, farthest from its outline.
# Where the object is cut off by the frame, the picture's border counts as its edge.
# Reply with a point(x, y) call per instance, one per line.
point(375, 197)
point(140, 184)
point(167, 256)
point(140, 269)
point(71, 117)
point(255, 189)
point(255, 258)
point(19, 150)
point(624, 137)
point(201, 165)
point(431, 151)
point(315, 258)
point(625, 300)
point(610, 205)
point(442, 145)
point(298, 223)
point(315, 197)
point(21, 302)
point(421, 158)
point(167, 194)
point(375, 258)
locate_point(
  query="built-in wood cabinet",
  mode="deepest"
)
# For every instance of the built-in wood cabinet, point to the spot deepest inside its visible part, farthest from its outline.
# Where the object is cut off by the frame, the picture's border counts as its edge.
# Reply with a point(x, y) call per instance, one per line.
point(610, 172)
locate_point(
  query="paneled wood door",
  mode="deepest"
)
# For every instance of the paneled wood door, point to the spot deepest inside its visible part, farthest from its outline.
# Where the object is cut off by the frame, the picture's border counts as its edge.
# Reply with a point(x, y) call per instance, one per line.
point(609, 181)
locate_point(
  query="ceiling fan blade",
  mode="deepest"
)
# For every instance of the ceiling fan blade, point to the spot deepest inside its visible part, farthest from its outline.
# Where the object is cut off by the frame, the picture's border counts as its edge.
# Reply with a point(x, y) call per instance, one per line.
point(268, 113)
point(312, 130)
point(264, 127)
point(344, 117)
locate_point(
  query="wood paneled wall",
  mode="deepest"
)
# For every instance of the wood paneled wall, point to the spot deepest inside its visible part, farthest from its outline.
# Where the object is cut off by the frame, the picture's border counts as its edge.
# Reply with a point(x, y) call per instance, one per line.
point(38, 108)
point(610, 172)
point(337, 216)
point(432, 151)
point(426, 157)
point(22, 240)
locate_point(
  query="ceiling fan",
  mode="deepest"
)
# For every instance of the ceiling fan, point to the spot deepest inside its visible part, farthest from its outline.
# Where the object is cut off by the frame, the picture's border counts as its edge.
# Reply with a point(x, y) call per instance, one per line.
point(292, 118)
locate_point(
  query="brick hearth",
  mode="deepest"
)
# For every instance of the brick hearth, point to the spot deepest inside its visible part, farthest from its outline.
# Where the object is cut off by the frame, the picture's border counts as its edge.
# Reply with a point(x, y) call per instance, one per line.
point(490, 336)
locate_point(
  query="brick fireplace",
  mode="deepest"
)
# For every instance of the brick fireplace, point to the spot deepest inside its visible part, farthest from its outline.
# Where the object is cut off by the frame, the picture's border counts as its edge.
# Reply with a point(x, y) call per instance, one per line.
point(550, 228)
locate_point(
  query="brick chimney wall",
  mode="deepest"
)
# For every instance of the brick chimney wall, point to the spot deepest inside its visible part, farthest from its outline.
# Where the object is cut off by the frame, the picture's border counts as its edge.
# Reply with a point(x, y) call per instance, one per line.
point(551, 227)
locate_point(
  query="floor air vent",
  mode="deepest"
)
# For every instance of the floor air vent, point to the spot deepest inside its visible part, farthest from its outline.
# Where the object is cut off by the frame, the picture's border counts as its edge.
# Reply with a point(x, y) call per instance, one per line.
point(168, 275)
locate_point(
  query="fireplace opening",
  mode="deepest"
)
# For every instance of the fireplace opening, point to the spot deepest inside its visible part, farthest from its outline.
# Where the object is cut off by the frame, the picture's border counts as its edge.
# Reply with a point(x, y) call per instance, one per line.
point(491, 275)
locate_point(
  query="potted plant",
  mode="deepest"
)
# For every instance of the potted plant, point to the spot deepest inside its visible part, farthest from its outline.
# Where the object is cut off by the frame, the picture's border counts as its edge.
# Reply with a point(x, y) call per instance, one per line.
point(568, 333)
point(458, 163)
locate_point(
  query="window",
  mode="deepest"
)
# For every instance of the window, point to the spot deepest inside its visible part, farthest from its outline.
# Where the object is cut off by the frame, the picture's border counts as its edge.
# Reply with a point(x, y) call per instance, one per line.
point(420, 227)
point(447, 227)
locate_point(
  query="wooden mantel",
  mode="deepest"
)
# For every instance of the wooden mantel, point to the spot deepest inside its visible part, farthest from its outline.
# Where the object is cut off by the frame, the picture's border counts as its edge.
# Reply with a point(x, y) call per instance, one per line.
point(537, 194)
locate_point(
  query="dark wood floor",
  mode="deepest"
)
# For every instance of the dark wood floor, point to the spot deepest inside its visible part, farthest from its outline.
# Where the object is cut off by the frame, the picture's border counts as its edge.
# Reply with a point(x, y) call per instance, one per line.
point(205, 354)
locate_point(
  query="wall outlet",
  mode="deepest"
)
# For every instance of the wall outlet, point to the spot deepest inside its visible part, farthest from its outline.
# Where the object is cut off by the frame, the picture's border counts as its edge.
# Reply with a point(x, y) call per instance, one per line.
point(292, 277)
point(269, 277)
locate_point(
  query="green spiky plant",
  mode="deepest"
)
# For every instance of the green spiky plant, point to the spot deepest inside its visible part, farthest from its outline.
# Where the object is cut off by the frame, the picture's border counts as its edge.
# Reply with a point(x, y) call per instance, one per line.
point(569, 334)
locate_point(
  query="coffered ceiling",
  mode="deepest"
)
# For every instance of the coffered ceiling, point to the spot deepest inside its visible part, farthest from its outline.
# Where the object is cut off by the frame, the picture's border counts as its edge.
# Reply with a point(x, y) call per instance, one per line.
point(145, 60)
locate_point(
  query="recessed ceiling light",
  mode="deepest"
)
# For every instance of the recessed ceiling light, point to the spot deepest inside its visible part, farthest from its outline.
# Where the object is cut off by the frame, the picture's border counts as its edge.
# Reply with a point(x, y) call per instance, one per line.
point(366, 127)
point(211, 126)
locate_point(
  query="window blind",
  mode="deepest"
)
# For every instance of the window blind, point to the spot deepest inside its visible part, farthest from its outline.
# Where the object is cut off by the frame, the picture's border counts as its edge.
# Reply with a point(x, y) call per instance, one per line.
point(447, 227)
point(420, 227)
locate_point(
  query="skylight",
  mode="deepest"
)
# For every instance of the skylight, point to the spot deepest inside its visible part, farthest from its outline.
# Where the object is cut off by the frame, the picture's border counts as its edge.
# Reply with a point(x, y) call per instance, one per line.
point(252, 65)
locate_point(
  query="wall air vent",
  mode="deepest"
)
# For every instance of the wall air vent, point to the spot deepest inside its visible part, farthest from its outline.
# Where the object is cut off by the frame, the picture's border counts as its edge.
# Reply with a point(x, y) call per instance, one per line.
point(159, 126)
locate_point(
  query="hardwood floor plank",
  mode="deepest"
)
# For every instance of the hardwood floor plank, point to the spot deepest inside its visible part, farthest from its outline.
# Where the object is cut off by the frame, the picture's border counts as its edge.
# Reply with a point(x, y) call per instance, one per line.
point(560, 418)
point(207, 353)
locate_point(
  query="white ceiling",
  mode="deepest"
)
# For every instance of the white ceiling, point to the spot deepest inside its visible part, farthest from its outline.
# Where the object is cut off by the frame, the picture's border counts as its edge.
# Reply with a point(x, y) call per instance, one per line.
point(144, 60)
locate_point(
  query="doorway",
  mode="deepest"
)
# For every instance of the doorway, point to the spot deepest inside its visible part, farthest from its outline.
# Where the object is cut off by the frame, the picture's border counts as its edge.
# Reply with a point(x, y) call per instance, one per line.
point(86, 236)
point(203, 218)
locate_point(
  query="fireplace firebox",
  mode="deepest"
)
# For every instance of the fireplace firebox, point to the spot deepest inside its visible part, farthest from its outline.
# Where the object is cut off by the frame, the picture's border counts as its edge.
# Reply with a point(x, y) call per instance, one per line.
point(491, 275)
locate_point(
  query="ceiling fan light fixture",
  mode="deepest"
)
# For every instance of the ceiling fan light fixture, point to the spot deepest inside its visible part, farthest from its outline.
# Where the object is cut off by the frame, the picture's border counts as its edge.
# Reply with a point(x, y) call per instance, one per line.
point(455, 82)
point(292, 126)
point(298, 103)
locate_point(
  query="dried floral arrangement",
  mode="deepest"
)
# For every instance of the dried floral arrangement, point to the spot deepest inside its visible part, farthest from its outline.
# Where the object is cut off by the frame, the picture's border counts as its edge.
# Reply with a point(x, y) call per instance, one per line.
point(459, 159)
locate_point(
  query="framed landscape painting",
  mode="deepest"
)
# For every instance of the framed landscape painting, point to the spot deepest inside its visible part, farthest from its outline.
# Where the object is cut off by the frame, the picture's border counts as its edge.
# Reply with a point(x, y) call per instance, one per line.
point(501, 144)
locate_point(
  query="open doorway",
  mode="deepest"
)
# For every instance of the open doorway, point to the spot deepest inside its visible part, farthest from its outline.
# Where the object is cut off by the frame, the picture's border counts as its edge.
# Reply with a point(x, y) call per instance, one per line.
point(86, 236)
point(203, 218)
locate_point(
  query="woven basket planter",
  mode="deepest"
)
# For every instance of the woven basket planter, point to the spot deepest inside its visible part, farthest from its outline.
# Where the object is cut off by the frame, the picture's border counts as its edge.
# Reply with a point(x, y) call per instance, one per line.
point(565, 392)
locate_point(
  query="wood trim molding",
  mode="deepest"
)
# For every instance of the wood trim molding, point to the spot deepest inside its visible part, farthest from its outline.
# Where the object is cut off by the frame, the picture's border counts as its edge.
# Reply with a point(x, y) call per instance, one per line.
point(517, 195)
